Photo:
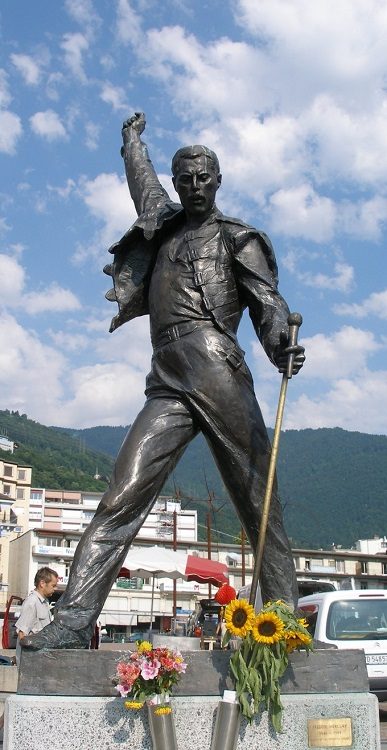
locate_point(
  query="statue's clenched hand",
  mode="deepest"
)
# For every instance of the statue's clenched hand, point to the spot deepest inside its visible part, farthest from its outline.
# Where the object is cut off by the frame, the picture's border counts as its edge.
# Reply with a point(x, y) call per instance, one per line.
point(134, 124)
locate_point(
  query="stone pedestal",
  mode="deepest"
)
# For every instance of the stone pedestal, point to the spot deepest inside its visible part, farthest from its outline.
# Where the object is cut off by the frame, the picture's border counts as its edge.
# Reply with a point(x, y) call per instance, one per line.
point(65, 700)
point(38, 723)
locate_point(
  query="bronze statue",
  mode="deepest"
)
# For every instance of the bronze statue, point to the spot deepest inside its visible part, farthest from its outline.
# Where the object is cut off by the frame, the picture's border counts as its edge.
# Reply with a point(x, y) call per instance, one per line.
point(194, 271)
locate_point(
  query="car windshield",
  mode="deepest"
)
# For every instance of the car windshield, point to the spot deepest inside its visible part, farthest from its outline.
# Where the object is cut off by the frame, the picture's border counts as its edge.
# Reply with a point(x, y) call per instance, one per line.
point(355, 619)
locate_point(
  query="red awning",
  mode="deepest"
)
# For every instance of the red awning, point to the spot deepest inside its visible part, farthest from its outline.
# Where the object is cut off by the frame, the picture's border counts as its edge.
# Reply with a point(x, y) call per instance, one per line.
point(206, 571)
point(124, 573)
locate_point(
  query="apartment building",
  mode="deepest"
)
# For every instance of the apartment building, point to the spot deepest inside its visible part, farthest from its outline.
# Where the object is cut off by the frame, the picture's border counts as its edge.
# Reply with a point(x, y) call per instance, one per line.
point(15, 483)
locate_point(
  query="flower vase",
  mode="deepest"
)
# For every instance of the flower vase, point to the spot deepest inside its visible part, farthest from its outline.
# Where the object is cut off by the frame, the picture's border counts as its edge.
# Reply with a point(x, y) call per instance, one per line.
point(162, 724)
point(226, 730)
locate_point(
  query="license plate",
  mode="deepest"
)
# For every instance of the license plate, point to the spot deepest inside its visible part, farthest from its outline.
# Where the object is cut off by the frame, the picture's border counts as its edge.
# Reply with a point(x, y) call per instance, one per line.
point(376, 658)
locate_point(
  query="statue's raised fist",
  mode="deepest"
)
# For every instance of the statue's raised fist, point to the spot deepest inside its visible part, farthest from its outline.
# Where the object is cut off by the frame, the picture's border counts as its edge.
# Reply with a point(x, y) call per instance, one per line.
point(136, 122)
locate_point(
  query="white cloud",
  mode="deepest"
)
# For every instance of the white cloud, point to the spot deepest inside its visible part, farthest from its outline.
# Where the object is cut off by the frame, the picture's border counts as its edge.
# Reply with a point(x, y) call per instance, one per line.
point(12, 280)
point(339, 355)
point(330, 41)
point(329, 358)
point(27, 67)
point(30, 371)
point(48, 125)
point(375, 304)
point(115, 96)
point(335, 388)
point(301, 212)
point(13, 293)
point(288, 140)
point(5, 96)
point(128, 23)
point(4, 227)
point(35, 377)
point(92, 131)
point(363, 218)
point(74, 47)
point(10, 132)
point(129, 345)
point(63, 191)
point(108, 200)
point(52, 299)
point(70, 342)
point(354, 404)
point(104, 394)
point(342, 280)
point(84, 13)
point(53, 82)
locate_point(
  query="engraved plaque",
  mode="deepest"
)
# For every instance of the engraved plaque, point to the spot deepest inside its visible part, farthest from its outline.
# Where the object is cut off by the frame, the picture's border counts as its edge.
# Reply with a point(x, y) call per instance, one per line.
point(330, 732)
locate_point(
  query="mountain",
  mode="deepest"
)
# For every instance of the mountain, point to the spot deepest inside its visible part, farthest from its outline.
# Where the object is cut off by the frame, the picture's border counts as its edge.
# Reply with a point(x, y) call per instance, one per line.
point(58, 460)
point(332, 482)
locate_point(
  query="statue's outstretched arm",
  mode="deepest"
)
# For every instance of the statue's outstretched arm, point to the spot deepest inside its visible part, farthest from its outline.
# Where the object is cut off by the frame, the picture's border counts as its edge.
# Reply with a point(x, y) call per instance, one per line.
point(144, 186)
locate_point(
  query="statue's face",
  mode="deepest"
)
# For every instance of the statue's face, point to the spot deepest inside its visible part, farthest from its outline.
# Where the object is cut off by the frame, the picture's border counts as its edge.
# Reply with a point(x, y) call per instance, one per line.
point(196, 183)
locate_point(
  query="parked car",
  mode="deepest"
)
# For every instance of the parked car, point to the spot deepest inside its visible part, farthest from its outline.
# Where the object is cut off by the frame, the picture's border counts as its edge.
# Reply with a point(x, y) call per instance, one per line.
point(106, 638)
point(138, 636)
point(204, 620)
point(353, 619)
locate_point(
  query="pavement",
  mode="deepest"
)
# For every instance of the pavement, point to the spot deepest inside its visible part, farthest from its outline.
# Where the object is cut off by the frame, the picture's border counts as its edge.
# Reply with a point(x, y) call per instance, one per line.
point(383, 724)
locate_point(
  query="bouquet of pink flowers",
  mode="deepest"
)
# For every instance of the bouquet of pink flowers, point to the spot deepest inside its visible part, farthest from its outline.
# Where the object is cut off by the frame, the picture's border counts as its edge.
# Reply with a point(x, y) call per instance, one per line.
point(148, 672)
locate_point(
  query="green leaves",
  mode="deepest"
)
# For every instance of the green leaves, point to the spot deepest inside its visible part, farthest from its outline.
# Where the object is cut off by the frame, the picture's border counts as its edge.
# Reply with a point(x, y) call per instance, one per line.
point(257, 666)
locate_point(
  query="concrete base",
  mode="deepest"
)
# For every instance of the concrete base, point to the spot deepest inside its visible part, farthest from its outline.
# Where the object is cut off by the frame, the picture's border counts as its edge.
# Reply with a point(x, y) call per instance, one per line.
point(38, 723)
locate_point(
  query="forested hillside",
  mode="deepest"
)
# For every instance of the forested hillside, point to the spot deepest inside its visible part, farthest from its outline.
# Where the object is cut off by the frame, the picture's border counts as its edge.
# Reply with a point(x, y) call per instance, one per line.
point(58, 460)
point(332, 482)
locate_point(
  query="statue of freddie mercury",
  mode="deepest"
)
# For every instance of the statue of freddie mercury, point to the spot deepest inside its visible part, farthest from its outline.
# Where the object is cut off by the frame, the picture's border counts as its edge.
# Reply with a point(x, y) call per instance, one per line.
point(194, 271)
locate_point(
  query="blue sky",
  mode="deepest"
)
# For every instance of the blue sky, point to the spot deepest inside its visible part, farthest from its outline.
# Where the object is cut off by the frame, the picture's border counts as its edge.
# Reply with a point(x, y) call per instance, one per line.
point(291, 94)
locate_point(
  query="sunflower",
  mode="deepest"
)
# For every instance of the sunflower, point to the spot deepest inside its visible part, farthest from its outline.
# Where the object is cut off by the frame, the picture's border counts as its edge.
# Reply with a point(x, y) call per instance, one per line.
point(305, 638)
point(133, 705)
point(162, 710)
point(268, 628)
point(239, 617)
point(295, 639)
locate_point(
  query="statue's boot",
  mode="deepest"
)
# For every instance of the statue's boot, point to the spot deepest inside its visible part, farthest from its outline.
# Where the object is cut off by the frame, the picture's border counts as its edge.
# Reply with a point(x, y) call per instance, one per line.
point(56, 635)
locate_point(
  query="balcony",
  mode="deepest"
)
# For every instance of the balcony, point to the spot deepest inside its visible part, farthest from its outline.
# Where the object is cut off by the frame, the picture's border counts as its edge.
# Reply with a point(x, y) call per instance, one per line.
point(46, 550)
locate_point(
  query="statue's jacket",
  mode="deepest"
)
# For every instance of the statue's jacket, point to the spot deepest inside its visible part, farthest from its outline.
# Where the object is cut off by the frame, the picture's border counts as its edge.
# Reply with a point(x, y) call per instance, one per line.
point(243, 273)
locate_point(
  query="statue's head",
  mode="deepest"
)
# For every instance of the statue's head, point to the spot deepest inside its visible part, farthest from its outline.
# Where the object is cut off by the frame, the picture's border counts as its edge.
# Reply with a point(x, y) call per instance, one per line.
point(194, 152)
point(196, 178)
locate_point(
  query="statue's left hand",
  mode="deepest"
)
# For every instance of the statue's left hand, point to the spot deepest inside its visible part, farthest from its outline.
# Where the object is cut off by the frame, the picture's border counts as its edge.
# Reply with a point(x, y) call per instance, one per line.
point(282, 355)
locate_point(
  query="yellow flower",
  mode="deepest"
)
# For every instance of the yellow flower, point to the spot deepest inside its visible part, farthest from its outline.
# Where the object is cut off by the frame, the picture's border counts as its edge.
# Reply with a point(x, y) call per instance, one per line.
point(301, 621)
point(239, 617)
point(133, 705)
point(144, 646)
point(305, 638)
point(268, 628)
point(162, 710)
point(296, 640)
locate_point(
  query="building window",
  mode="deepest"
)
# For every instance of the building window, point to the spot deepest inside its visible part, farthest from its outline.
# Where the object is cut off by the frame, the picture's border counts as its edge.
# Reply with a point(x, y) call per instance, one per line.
point(21, 475)
point(363, 567)
point(53, 541)
point(20, 494)
point(36, 495)
point(340, 566)
point(384, 568)
point(6, 489)
point(8, 471)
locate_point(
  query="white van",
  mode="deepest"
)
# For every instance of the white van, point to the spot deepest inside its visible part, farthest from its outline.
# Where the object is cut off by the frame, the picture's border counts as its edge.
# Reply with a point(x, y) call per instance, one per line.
point(305, 586)
point(353, 619)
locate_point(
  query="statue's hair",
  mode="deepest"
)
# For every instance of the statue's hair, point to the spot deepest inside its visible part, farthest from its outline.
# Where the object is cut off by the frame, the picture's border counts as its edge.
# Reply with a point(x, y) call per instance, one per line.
point(193, 152)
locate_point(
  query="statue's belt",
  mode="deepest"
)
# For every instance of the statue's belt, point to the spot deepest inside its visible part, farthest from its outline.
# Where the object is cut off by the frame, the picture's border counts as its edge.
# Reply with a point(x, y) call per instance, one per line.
point(177, 331)
point(234, 358)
